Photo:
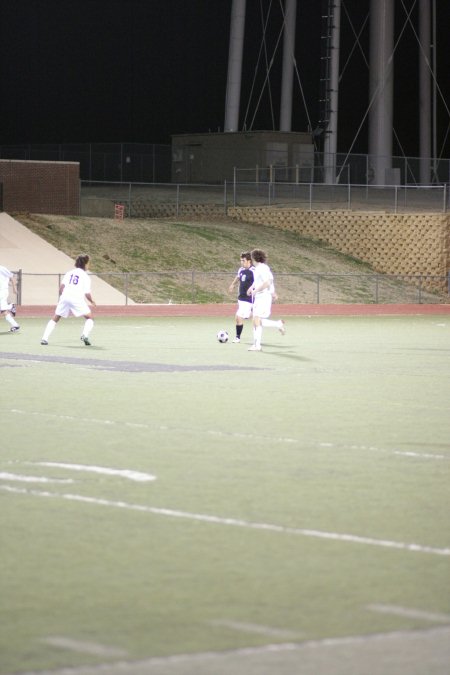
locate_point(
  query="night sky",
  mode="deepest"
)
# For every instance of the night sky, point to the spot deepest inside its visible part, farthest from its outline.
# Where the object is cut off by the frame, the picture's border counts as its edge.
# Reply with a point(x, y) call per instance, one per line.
point(141, 70)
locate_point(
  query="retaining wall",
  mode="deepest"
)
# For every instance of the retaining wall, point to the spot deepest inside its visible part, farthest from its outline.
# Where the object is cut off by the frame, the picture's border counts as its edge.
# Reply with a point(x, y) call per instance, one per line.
point(390, 243)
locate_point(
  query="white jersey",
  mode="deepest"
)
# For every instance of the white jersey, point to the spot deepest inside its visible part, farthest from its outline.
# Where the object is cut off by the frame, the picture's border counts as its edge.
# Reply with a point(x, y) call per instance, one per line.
point(5, 277)
point(262, 274)
point(76, 284)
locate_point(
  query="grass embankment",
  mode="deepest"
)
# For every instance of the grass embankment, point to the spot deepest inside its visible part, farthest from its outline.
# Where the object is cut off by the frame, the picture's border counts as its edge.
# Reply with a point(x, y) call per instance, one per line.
point(195, 261)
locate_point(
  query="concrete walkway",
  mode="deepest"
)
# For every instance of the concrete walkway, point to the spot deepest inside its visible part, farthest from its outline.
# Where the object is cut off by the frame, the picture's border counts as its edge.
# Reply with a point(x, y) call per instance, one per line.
point(42, 266)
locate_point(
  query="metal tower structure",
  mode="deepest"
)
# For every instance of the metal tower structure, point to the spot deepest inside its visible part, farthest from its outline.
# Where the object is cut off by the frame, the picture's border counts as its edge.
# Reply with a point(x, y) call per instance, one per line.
point(380, 110)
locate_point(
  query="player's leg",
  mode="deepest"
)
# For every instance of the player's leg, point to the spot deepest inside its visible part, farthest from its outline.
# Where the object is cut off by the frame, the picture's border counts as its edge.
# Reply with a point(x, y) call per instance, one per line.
point(5, 310)
point(257, 333)
point(50, 327)
point(261, 310)
point(270, 323)
point(244, 311)
point(87, 328)
point(14, 326)
point(239, 328)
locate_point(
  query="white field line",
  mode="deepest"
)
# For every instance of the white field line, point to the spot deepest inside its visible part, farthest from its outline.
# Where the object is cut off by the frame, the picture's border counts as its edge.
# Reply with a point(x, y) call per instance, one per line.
point(140, 667)
point(84, 647)
point(136, 476)
point(410, 613)
point(243, 627)
point(235, 522)
point(5, 475)
point(225, 434)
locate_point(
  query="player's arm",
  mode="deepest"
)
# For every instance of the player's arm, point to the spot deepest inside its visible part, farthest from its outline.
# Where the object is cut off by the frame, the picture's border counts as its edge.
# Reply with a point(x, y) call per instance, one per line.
point(90, 299)
point(262, 286)
point(265, 284)
point(233, 283)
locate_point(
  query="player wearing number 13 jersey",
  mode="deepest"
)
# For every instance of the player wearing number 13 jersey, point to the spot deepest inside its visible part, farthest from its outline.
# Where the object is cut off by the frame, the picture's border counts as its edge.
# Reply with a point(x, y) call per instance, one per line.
point(74, 295)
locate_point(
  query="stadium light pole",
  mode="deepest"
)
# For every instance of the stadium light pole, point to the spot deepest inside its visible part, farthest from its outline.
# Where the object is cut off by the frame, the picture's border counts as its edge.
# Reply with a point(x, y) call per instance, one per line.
point(233, 93)
point(287, 80)
point(381, 81)
point(425, 90)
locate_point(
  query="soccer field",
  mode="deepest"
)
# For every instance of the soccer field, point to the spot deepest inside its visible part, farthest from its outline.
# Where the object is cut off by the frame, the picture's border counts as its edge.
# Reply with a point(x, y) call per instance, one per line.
point(171, 505)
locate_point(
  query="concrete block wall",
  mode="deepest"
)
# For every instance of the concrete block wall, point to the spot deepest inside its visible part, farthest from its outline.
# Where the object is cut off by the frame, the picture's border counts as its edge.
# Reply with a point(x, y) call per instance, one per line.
point(407, 244)
point(40, 187)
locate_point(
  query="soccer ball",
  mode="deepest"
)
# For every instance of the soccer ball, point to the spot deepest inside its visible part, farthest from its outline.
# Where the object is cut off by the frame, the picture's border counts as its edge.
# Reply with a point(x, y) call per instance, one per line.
point(222, 336)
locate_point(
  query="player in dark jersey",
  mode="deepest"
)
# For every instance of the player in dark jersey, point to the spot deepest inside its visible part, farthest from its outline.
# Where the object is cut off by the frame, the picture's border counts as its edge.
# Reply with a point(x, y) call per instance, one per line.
point(244, 277)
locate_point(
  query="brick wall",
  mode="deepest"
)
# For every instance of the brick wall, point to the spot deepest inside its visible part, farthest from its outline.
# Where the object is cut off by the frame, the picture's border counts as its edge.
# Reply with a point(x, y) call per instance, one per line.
point(391, 243)
point(40, 187)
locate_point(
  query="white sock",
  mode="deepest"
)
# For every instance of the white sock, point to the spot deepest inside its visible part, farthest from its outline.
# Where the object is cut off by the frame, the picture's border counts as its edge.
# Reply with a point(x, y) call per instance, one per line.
point(50, 327)
point(269, 323)
point(88, 326)
point(11, 320)
point(258, 336)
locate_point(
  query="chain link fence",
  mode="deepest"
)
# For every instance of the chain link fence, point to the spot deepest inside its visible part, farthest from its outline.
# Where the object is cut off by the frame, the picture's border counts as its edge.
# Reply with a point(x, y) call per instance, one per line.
point(193, 286)
point(142, 200)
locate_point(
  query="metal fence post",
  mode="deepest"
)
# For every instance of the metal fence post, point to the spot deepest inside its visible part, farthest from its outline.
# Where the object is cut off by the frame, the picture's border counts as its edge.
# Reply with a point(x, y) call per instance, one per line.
point(19, 287)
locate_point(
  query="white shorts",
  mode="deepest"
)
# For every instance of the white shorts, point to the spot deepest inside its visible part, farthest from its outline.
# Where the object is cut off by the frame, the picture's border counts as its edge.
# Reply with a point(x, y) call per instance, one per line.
point(244, 310)
point(4, 304)
point(65, 307)
point(262, 305)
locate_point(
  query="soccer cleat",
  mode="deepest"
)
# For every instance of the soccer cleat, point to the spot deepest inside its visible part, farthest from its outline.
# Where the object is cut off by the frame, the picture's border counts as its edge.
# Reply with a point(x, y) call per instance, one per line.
point(236, 339)
point(44, 342)
point(14, 329)
point(254, 348)
point(84, 339)
point(13, 310)
point(282, 328)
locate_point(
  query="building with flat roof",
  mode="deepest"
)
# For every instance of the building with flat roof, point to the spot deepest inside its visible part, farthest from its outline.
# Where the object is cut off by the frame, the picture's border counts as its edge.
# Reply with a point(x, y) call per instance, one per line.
point(213, 157)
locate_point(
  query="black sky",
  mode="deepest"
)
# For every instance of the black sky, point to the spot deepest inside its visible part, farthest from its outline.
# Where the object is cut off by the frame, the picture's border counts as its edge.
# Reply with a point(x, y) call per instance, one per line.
point(141, 70)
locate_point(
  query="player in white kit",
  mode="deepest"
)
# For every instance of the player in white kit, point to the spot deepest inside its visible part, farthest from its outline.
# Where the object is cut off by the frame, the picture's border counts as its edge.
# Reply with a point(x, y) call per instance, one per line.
point(7, 309)
point(74, 295)
point(263, 290)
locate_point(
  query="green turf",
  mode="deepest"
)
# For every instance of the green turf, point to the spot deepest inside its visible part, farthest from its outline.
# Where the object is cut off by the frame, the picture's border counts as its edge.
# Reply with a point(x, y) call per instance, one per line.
point(341, 426)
